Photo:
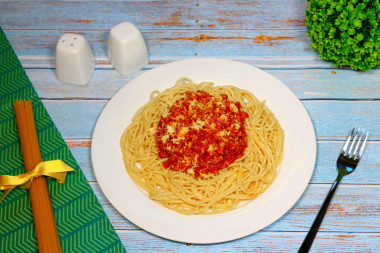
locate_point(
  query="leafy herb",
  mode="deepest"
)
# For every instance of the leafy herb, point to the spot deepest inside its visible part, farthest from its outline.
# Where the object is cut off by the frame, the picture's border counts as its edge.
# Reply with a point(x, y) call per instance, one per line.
point(345, 32)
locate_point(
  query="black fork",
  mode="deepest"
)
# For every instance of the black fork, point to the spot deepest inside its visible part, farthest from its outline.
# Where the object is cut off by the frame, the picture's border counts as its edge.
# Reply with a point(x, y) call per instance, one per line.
point(347, 161)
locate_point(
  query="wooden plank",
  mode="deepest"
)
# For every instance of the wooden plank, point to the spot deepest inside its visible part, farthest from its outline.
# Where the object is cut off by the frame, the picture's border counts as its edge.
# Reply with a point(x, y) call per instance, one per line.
point(354, 208)
point(103, 84)
point(77, 118)
point(263, 62)
point(73, 118)
point(333, 120)
point(140, 241)
point(306, 84)
point(263, 48)
point(266, 48)
point(154, 14)
point(174, 43)
point(368, 171)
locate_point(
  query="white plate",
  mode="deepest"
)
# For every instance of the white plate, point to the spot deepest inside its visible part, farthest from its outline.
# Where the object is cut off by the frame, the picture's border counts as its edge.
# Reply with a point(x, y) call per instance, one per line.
point(294, 172)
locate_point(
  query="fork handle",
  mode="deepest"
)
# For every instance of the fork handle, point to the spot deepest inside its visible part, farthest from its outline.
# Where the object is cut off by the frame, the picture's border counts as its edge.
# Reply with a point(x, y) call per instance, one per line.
point(308, 241)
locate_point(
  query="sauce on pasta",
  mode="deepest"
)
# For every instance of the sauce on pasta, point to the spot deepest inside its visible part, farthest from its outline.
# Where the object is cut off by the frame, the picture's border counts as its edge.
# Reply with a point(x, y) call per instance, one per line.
point(201, 134)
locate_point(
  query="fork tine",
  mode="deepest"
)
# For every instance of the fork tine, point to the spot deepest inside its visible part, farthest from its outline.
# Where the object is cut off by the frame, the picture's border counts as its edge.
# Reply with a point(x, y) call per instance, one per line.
point(363, 145)
point(344, 149)
point(349, 153)
point(358, 143)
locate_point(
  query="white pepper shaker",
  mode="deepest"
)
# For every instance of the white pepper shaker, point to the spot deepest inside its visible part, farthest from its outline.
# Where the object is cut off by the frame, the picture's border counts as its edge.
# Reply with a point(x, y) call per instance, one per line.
point(74, 60)
point(127, 49)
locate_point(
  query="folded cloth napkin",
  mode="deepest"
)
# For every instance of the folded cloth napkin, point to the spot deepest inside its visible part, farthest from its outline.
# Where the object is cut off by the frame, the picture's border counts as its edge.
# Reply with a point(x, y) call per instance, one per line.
point(82, 224)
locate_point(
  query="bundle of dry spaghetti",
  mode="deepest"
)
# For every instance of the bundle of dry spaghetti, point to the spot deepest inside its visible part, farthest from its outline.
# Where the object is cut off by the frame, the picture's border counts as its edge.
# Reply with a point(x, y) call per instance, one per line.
point(46, 228)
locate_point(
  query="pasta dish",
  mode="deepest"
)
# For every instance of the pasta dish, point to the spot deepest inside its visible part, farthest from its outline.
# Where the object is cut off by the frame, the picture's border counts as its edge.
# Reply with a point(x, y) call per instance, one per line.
point(202, 149)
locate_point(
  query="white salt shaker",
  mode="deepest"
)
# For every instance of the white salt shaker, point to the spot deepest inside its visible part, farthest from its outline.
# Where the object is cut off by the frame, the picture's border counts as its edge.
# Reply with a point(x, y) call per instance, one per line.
point(74, 60)
point(126, 48)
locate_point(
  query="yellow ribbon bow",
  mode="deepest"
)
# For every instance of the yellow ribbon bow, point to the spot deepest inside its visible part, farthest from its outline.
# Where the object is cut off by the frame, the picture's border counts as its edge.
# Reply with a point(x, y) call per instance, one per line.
point(55, 168)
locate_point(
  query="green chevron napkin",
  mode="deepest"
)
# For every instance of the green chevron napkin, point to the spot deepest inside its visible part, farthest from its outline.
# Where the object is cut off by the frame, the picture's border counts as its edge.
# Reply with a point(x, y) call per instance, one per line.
point(82, 224)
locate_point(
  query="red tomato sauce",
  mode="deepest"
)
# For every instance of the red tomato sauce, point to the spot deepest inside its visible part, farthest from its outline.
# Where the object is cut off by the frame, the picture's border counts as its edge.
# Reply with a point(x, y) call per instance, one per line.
point(201, 134)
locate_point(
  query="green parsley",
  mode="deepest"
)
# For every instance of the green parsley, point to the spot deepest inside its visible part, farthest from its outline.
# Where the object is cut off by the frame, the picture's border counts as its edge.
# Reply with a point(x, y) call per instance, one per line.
point(345, 32)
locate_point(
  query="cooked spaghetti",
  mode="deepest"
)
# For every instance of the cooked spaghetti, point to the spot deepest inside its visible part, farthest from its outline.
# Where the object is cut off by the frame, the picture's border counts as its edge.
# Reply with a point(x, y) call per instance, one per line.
point(202, 149)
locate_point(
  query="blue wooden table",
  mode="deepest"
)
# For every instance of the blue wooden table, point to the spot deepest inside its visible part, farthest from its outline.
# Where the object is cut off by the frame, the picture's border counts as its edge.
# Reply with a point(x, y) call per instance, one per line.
point(270, 35)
